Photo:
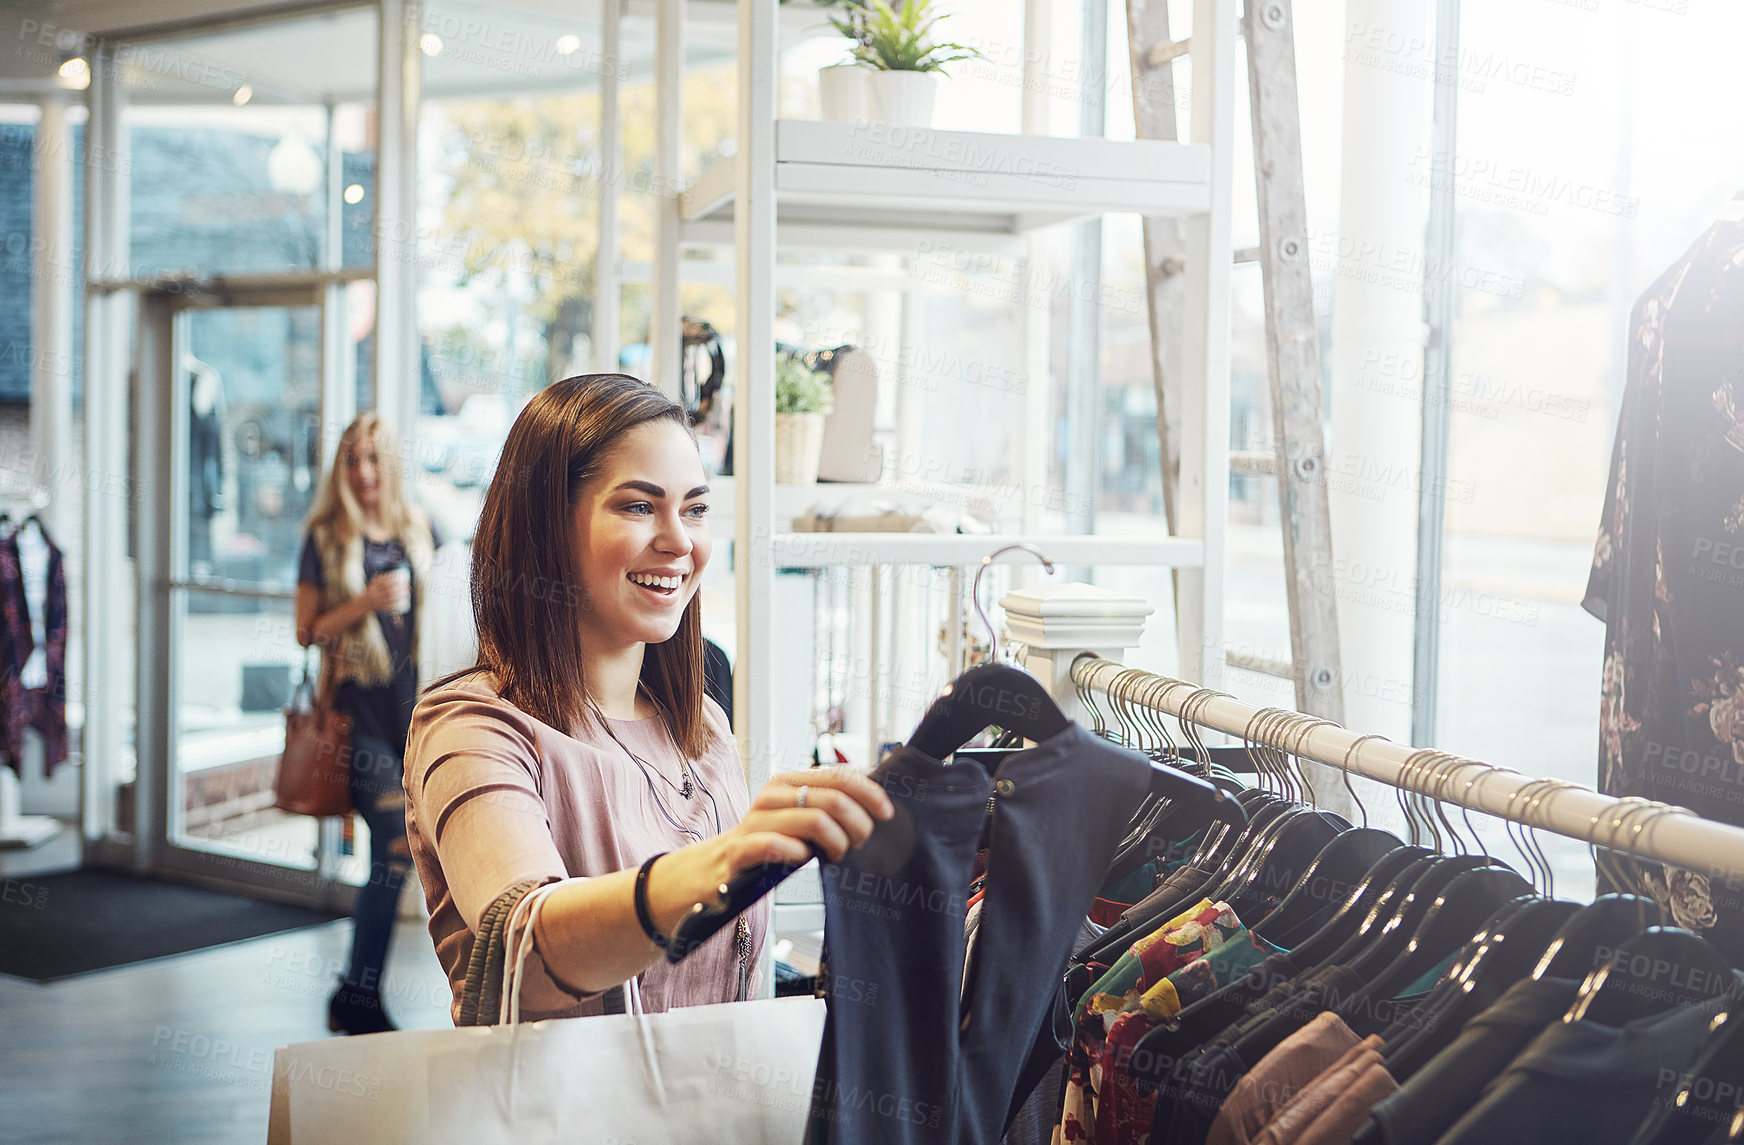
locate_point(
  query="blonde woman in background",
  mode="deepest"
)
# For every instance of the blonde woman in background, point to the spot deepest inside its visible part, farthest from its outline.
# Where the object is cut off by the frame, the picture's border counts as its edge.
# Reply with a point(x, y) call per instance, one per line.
point(366, 554)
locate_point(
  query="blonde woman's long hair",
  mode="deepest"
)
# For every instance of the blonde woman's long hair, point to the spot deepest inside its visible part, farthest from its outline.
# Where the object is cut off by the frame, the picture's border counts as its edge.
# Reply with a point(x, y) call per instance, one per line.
point(336, 514)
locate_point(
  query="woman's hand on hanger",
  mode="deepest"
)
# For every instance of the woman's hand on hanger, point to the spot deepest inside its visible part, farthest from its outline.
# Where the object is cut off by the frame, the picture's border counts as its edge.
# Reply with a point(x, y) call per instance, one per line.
point(589, 934)
point(841, 807)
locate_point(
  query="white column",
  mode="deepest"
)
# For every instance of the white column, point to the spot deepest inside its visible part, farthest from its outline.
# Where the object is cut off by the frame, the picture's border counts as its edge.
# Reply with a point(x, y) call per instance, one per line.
point(1035, 436)
point(1377, 325)
point(665, 323)
point(52, 300)
point(106, 587)
point(611, 144)
point(754, 698)
point(400, 79)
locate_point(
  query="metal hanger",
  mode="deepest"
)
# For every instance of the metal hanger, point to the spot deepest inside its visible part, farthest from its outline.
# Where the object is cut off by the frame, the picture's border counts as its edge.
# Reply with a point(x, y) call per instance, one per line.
point(1621, 864)
point(1118, 702)
point(1441, 773)
point(1271, 729)
point(1189, 729)
point(1404, 792)
point(1302, 731)
point(1544, 824)
point(1159, 687)
point(1352, 750)
point(1468, 800)
point(1087, 694)
point(975, 588)
point(1521, 834)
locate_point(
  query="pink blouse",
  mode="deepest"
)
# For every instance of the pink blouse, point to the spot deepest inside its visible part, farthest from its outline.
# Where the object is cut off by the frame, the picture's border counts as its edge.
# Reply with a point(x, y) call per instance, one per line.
point(494, 797)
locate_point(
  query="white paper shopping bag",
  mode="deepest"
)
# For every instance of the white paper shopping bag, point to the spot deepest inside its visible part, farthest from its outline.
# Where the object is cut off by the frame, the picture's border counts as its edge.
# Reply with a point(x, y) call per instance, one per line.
point(708, 1075)
point(741, 1071)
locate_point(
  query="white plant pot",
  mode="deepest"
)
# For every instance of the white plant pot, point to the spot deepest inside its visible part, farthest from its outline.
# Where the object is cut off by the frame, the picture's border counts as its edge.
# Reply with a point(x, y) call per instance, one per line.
point(904, 99)
point(842, 93)
point(799, 446)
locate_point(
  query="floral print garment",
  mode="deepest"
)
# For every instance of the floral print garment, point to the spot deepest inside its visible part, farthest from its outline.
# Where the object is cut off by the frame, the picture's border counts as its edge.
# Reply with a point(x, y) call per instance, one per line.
point(1668, 573)
point(1183, 940)
point(1123, 1115)
point(1111, 990)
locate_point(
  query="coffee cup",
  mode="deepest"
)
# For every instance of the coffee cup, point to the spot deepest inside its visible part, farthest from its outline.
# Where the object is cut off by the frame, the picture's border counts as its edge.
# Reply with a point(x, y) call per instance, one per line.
point(402, 580)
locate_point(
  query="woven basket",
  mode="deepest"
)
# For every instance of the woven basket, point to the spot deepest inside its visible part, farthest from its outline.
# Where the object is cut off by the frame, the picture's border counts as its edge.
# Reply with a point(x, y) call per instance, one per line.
point(799, 445)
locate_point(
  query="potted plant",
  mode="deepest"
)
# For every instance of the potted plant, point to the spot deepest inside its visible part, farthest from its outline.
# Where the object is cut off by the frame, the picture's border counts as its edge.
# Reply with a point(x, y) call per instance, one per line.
point(843, 90)
point(906, 62)
point(803, 398)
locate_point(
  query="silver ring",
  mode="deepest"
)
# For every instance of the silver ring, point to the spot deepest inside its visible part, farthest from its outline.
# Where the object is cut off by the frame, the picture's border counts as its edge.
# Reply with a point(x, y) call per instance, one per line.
point(800, 795)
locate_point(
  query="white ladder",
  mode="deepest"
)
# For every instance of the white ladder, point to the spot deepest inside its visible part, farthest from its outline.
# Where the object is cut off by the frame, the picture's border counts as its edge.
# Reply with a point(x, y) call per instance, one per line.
point(1292, 345)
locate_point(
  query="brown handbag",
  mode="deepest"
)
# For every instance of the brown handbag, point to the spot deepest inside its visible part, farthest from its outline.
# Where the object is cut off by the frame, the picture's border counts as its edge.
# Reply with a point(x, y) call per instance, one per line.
point(315, 771)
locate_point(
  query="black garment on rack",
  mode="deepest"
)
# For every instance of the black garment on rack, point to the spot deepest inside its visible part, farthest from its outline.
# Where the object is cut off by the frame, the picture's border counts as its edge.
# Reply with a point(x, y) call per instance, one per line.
point(937, 1059)
point(1188, 1101)
point(1428, 1104)
point(1581, 1082)
point(1667, 579)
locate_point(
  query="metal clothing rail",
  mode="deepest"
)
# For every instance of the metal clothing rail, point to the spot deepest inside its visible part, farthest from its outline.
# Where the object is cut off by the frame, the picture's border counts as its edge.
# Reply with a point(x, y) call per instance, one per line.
point(1657, 831)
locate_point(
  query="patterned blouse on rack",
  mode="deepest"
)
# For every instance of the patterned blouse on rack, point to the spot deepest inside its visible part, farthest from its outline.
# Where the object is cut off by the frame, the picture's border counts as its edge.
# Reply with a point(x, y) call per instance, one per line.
point(1091, 1070)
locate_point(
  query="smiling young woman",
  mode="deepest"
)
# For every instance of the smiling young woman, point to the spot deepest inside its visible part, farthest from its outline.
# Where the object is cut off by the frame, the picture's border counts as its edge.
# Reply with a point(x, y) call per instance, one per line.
point(581, 748)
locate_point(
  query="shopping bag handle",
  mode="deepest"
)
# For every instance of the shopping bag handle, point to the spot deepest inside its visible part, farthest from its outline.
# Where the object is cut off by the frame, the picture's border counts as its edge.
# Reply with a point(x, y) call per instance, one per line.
point(518, 943)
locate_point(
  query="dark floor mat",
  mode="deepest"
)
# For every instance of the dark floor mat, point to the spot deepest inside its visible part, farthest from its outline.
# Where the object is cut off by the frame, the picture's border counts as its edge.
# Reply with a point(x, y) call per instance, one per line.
point(57, 926)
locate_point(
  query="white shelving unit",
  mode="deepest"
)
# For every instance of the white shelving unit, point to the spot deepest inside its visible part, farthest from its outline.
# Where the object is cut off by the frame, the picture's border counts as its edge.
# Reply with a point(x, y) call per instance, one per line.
point(856, 182)
point(860, 187)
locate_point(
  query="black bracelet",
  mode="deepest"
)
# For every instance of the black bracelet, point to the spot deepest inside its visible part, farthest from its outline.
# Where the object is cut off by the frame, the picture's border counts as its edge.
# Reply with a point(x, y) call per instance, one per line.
point(643, 915)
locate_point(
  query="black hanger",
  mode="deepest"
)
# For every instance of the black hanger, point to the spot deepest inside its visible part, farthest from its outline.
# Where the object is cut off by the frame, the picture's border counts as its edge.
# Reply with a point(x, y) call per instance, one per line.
point(1409, 1021)
point(1214, 850)
point(1388, 927)
point(1467, 905)
point(1708, 1094)
point(1381, 880)
point(1339, 867)
point(1413, 888)
point(1220, 854)
point(1656, 971)
point(1609, 922)
point(1263, 810)
point(1279, 864)
point(1157, 828)
point(1142, 843)
point(1375, 957)
point(1506, 954)
point(998, 694)
point(984, 696)
point(1224, 1008)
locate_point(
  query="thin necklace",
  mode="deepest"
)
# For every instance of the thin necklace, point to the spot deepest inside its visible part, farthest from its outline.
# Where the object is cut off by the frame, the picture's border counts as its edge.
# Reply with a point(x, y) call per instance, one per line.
point(741, 925)
point(688, 790)
point(648, 778)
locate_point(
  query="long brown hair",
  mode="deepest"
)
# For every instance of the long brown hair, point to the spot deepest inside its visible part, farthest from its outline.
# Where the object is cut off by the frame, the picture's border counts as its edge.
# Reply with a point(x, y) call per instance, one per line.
point(526, 586)
point(336, 517)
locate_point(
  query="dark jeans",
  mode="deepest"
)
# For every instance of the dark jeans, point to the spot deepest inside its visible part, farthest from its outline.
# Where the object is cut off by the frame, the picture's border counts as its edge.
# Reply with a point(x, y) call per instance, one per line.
point(380, 799)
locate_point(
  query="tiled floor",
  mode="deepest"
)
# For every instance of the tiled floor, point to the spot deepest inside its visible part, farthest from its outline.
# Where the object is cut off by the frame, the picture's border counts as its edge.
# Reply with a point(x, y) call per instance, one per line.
point(179, 1051)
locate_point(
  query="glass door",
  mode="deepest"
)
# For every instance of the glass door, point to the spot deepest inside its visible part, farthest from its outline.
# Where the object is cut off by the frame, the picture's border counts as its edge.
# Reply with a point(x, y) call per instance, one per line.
point(236, 436)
